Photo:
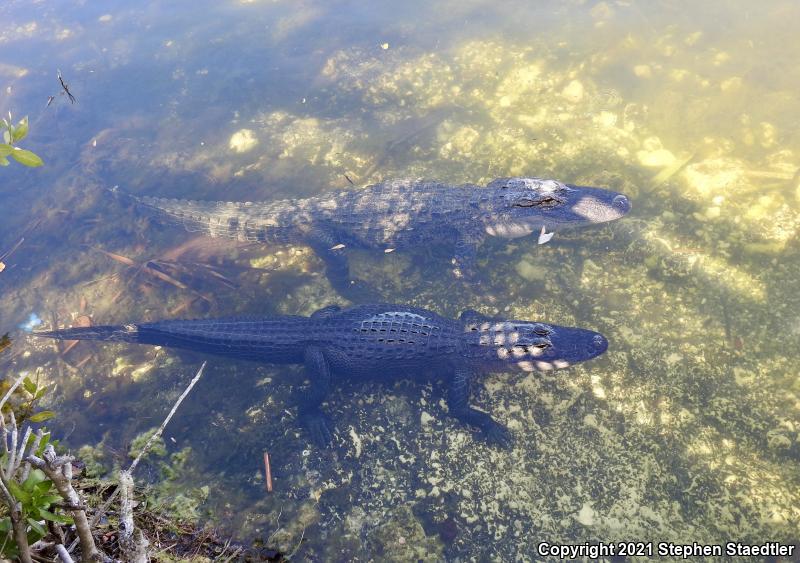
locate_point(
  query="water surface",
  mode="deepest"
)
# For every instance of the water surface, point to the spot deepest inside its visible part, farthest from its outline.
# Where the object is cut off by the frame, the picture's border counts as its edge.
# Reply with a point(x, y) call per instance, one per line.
point(687, 430)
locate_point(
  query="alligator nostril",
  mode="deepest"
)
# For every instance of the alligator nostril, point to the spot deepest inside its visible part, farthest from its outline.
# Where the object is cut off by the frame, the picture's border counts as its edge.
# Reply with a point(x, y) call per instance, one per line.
point(621, 202)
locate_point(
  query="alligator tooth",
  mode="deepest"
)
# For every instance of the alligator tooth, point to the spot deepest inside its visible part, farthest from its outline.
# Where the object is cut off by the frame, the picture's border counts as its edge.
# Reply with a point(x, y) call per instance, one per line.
point(544, 236)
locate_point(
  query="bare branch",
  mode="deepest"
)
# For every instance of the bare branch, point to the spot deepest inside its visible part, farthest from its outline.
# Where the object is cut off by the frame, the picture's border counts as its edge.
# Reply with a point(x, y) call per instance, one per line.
point(99, 514)
point(17, 522)
point(160, 430)
point(11, 389)
point(35, 446)
point(4, 430)
point(59, 470)
point(12, 454)
point(131, 541)
point(23, 445)
point(62, 554)
point(10, 500)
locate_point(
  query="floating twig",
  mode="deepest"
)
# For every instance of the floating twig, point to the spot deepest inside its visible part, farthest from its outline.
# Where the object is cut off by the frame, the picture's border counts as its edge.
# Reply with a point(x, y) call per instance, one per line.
point(65, 87)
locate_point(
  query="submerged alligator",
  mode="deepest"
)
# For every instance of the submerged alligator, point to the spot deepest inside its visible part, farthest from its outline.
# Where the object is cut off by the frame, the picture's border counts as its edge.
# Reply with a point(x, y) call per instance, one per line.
point(372, 341)
point(402, 214)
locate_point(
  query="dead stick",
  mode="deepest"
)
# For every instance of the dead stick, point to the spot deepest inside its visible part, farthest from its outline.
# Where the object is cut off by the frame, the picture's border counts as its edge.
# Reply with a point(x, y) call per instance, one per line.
point(11, 389)
point(62, 554)
point(149, 443)
point(268, 472)
point(160, 430)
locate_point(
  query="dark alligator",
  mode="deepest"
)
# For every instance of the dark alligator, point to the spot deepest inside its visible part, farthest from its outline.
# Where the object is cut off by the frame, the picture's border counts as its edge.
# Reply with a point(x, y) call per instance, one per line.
point(372, 341)
point(402, 214)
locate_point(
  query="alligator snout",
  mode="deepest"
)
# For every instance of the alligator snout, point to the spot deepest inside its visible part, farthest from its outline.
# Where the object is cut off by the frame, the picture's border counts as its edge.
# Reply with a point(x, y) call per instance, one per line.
point(621, 203)
point(598, 344)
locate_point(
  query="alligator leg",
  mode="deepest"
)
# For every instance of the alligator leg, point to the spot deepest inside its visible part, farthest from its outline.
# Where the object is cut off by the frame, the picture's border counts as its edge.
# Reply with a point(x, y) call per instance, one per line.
point(326, 311)
point(458, 403)
point(465, 254)
point(319, 372)
point(322, 243)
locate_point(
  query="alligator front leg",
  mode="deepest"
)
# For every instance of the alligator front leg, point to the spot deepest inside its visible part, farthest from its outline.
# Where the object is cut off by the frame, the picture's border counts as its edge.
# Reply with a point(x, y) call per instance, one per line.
point(458, 403)
point(319, 372)
point(324, 244)
point(465, 257)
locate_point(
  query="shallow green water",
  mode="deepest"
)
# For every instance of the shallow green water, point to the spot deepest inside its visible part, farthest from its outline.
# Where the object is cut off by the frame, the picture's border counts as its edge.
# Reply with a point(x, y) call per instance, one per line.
point(687, 430)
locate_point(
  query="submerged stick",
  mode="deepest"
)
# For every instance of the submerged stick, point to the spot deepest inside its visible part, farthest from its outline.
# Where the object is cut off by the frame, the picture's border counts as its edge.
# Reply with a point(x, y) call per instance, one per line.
point(160, 430)
point(147, 446)
point(268, 472)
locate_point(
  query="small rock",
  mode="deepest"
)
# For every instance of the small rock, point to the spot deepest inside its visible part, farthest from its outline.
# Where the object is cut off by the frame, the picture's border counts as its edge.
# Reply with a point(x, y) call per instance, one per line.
point(586, 516)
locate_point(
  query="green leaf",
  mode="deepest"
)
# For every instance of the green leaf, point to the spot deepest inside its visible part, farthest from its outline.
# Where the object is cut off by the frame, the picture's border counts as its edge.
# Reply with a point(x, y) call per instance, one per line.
point(19, 494)
point(6, 136)
point(36, 476)
point(43, 444)
point(60, 518)
point(5, 149)
point(3, 161)
point(20, 130)
point(37, 528)
point(29, 385)
point(42, 488)
point(41, 416)
point(40, 393)
point(49, 499)
point(5, 524)
point(26, 158)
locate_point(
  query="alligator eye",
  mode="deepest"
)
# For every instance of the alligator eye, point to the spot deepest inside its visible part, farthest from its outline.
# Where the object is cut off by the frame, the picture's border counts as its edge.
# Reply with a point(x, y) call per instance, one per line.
point(541, 330)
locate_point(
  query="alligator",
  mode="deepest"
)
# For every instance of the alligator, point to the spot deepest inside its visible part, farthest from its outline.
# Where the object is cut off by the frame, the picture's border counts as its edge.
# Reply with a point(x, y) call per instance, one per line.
point(402, 214)
point(380, 341)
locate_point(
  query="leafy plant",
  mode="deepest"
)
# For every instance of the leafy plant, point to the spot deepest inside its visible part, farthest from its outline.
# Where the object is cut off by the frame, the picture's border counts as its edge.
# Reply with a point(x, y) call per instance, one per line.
point(25, 398)
point(11, 135)
point(37, 495)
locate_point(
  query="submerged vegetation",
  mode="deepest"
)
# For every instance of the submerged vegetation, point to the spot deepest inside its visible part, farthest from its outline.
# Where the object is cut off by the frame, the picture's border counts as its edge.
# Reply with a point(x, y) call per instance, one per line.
point(689, 429)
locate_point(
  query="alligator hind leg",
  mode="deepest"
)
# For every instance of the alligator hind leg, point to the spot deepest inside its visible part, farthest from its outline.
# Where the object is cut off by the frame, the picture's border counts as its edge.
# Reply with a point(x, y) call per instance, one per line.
point(319, 372)
point(458, 403)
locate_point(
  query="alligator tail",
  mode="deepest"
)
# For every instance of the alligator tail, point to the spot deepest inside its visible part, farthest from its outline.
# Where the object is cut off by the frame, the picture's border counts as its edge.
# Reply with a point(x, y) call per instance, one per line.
point(248, 222)
point(116, 333)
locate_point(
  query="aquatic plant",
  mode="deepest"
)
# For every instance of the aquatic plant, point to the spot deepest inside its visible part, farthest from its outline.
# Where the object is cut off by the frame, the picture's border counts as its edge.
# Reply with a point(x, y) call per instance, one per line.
point(12, 134)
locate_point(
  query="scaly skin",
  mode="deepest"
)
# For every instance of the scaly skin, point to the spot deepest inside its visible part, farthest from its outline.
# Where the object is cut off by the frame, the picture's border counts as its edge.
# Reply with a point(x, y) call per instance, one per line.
point(380, 341)
point(403, 214)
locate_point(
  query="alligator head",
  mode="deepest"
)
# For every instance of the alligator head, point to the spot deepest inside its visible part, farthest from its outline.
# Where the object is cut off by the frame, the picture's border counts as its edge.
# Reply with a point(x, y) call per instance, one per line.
point(524, 205)
point(529, 346)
